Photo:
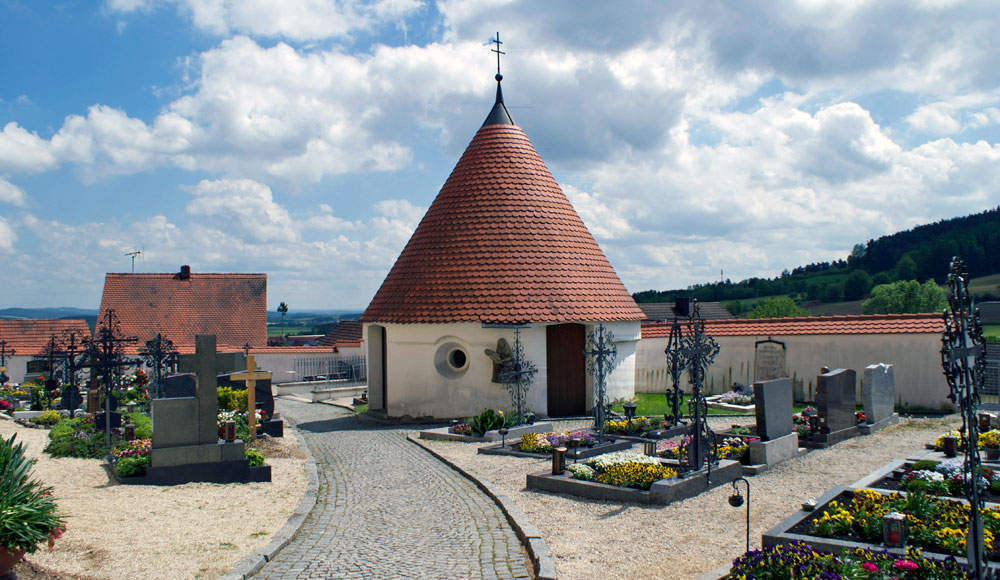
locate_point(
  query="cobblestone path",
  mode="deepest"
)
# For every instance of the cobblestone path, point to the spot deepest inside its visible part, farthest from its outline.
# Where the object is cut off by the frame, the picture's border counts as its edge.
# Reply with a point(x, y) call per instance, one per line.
point(388, 509)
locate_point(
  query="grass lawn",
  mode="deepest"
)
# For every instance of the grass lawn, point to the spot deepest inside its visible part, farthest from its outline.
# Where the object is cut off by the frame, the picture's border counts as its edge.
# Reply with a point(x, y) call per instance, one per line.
point(991, 330)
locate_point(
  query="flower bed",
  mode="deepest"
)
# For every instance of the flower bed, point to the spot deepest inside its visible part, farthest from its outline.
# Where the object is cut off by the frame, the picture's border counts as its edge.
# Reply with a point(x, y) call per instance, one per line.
point(545, 442)
point(640, 426)
point(734, 448)
point(622, 469)
point(934, 523)
point(798, 560)
point(940, 478)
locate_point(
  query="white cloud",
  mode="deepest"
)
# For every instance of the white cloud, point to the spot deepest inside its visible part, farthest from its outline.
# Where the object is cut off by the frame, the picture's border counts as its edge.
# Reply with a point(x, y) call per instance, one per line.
point(935, 119)
point(12, 194)
point(299, 20)
point(24, 151)
point(7, 236)
point(244, 206)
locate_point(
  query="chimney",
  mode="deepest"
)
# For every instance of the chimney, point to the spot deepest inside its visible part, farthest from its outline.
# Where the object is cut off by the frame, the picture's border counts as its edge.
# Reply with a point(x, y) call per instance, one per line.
point(185, 272)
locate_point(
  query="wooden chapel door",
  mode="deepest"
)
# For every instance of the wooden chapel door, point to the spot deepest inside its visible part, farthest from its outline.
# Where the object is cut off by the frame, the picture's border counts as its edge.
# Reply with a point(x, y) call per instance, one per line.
point(567, 381)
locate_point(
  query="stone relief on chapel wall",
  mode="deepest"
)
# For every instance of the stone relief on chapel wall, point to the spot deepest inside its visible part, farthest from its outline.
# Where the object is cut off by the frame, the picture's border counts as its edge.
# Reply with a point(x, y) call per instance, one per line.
point(501, 357)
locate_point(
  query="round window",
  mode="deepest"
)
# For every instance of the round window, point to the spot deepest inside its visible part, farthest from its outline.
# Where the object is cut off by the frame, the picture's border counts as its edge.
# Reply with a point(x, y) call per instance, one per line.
point(457, 359)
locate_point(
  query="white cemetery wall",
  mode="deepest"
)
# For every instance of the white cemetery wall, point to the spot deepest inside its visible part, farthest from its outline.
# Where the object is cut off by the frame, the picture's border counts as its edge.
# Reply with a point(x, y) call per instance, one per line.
point(916, 359)
point(281, 363)
point(17, 367)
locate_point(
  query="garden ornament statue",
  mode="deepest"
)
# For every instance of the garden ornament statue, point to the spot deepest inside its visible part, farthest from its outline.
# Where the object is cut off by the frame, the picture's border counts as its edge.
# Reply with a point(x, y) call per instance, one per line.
point(963, 358)
point(517, 376)
point(601, 353)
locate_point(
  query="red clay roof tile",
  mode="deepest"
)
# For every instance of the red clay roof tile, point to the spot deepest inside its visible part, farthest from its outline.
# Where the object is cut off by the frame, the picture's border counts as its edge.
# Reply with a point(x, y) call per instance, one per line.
point(233, 307)
point(861, 324)
point(501, 230)
point(31, 337)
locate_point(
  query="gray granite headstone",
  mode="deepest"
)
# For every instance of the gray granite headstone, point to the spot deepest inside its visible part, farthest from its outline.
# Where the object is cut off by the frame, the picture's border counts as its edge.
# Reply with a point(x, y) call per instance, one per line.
point(773, 407)
point(180, 385)
point(878, 392)
point(769, 361)
point(835, 396)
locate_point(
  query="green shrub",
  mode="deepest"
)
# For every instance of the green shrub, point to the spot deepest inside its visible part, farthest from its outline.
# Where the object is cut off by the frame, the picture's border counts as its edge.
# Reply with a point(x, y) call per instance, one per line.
point(232, 400)
point(488, 420)
point(28, 513)
point(76, 438)
point(49, 417)
point(256, 457)
point(143, 424)
point(925, 465)
point(131, 466)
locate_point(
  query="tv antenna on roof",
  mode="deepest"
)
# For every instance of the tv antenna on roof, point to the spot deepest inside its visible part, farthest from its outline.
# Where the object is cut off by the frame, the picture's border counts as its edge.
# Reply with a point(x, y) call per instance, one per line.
point(132, 255)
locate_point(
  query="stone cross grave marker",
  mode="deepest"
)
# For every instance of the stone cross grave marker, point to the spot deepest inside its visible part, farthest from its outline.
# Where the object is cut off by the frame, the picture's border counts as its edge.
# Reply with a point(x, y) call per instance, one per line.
point(769, 360)
point(251, 376)
point(773, 407)
point(878, 392)
point(835, 396)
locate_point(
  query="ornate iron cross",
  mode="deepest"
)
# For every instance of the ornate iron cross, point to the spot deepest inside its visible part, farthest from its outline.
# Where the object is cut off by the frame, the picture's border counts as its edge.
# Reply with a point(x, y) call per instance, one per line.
point(105, 353)
point(698, 352)
point(71, 392)
point(159, 354)
point(517, 376)
point(601, 353)
point(675, 365)
point(963, 358)
point(4, 353)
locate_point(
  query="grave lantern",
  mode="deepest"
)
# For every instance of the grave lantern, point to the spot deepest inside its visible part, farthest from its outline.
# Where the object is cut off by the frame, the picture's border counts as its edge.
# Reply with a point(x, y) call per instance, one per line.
point(503, 431)
point(649, 448)
point(894, 530)
point(229, 431)
point(558, 460)
point(574, 444)
point(629, 407)
point(129, 431)
point(736, 500)
point(950, 446)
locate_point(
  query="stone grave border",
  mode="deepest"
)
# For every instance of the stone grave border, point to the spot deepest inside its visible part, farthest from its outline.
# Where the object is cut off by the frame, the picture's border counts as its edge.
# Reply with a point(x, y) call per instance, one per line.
point(662, 492)
point(582, 453)
point(869, 428)
point(527, 533)
point(714, 404)
point(779, 534)
point(442, 434)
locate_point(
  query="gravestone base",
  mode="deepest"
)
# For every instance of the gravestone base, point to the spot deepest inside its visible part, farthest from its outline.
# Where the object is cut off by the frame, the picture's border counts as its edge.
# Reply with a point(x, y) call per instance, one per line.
point(273, 428)
point(869, 428)
point(824, 440)
point(773, 452)
point(513, 449)
point(442, 434)
point(219, 472)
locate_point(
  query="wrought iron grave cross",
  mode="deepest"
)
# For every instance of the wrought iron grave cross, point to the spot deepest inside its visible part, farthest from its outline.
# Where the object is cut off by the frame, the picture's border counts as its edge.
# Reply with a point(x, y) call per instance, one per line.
point(106, 354)
point(71, 391)
point(963, 358)
point(698, 352)
point(601, 353)
point(159, 354)
point(517, 376)
point(4, 353)
point(675, 365)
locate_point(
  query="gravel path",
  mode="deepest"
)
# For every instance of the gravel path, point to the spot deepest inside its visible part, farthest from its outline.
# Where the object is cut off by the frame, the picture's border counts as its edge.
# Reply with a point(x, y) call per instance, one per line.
point(196, 530)
point(597, 540)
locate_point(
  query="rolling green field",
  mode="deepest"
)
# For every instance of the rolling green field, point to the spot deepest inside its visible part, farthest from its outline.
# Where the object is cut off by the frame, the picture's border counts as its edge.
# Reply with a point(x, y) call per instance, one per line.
point(985, 284)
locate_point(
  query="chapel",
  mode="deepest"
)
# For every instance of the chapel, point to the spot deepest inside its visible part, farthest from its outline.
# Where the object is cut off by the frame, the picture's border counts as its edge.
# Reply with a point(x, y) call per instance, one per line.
point(500, 249)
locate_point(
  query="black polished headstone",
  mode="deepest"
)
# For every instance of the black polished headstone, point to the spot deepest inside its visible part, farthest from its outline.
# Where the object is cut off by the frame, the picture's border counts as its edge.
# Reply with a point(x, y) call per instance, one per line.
point(100, 422)
point(180, 385)
point(71, 398)
point(773, 408)
point(835, 399)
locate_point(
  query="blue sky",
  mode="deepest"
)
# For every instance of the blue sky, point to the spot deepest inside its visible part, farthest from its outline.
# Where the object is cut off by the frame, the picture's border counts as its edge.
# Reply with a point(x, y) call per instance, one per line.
point(306, 138)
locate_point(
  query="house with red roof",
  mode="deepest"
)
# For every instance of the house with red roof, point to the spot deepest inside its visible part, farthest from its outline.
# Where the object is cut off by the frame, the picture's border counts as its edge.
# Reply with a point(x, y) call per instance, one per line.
point(29, 340)
point(910, 342)
point(184, 304)
point(500, 248)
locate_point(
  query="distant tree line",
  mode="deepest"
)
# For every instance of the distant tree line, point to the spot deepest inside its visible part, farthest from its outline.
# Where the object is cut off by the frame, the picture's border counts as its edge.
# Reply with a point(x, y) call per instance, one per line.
point(922, 253)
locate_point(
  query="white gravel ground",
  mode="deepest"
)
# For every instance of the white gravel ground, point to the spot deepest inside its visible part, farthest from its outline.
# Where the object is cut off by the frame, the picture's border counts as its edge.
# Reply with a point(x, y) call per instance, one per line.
point(597, 540)
point(197, 530)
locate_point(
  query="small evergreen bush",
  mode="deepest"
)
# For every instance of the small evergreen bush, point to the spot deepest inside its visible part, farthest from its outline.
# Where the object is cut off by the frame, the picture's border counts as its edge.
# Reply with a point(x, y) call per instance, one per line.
point(256, 457)
point(131, 466)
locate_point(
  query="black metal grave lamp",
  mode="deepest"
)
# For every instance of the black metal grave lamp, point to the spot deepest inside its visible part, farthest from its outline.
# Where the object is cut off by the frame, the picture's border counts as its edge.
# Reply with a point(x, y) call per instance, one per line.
point(736, 500)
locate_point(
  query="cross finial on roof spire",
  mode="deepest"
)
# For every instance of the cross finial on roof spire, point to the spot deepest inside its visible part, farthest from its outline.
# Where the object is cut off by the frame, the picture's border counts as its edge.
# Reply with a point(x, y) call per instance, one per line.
point(497, 50)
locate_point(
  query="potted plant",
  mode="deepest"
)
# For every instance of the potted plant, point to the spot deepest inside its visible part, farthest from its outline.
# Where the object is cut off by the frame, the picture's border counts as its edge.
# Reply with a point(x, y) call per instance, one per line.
point(28, 514)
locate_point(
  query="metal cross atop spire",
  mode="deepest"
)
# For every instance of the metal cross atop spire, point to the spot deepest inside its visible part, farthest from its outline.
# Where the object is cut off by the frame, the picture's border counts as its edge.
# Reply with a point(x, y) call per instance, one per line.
point(497, 50)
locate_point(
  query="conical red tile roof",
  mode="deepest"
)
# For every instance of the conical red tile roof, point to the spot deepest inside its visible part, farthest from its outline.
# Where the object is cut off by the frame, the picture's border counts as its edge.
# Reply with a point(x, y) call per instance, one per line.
point(501, 244)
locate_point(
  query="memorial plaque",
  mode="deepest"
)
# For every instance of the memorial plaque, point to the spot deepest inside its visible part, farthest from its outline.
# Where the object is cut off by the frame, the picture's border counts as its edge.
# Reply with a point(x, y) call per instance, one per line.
point(769, 360)
point(773, 407)
point(835, 396)
point(878, 392)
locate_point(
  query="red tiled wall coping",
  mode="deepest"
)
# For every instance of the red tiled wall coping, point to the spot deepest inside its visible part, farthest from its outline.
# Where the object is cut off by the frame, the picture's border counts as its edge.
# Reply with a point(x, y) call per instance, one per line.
point(863, 324)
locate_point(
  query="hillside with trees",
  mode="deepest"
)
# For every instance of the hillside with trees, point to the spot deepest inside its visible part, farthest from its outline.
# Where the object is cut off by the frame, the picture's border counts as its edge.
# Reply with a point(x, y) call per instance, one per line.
point(922, 253)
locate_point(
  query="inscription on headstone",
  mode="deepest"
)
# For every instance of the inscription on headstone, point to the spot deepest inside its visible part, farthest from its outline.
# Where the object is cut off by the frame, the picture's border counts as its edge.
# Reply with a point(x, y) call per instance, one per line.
point(773, 407)
point(835, 395)
point(769, 360)
point(878, 392)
